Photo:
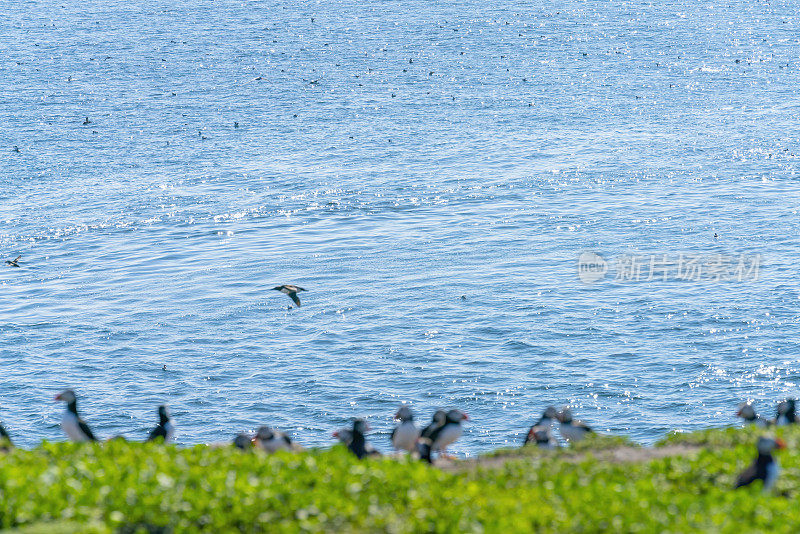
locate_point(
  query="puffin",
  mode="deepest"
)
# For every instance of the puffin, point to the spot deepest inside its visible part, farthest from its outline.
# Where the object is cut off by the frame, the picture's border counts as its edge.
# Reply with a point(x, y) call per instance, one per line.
point(357, 443)
point(242, 441)
point(165, 429)
point(74, 427)
point(749, 415)
point(542, 436)
point(5, 440)
point(765, 467)
point(290, 290)
point(572, 430)
point(13, 263)
point(786, 413)
point(425, 442)
point(404, 436)
point(445, 433)
point(271, 440)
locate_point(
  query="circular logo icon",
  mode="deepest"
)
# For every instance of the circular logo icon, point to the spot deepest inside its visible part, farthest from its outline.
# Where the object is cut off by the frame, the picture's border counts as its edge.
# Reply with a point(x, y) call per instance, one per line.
point(591, 267)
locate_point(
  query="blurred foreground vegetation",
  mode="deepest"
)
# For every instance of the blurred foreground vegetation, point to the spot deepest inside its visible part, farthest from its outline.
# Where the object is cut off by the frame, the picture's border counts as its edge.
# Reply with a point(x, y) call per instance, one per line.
point(605, 484)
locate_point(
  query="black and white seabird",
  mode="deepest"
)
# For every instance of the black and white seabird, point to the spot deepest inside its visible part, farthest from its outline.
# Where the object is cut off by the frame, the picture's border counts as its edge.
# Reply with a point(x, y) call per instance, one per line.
point(356, 441)
point(271, 440)
point(242, 441)
point(748, 413)
point(572, 430)
point(74, 427)
point(425, 442)
point(442, 432)
point(5, 440)
point(4, 435)
point(290, 290)
point(786, 413)
point(14, 262)
point(405, 435)
point(542, 436)
point(165, 429)
point(543, 429)
point(765, 467)
point(86, 121)
point(449, 432)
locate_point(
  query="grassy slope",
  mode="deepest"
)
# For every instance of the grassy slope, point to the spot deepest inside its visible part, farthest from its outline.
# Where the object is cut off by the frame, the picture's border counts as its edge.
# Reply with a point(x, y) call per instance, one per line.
point(605, 485)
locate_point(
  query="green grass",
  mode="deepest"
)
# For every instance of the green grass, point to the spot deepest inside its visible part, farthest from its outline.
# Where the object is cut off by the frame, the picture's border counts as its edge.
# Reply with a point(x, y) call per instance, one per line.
point(127, 487)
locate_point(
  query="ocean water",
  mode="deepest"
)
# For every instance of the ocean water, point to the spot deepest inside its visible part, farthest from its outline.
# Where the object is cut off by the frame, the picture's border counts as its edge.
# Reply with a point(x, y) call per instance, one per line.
point(393, 157)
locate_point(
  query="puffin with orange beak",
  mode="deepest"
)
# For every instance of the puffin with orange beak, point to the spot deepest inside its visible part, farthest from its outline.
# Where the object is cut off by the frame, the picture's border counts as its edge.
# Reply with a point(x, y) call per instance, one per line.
point(405, 435)
point(72, 424)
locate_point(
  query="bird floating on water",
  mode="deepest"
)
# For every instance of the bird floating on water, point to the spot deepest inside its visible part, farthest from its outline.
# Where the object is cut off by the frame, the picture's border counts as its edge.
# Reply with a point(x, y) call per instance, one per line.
point(290, 290)
point(86, 121)
point(14, 262)
point(72, 424)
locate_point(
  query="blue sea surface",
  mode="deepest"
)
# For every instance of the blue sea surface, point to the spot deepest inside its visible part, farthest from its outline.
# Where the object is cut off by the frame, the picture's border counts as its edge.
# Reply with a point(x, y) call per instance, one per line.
point(392, 157)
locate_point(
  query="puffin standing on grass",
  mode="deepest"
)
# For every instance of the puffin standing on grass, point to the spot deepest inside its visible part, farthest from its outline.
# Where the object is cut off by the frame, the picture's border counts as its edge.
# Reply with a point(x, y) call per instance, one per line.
point(765, 467)
point(786, 413)
point(405, 435)
point(543, 427)
point(290, 290)
point(5, 440)
point(572, 430)
point(165, 429)
point(445, 433)
point(425, 441)
point(74, 427)
point(356, 441)
point(271, 440)
point(749, 415)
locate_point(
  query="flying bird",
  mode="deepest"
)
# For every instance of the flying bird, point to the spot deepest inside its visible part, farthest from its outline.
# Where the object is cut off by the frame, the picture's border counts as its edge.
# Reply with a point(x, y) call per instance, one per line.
point(291, 291)
point(13, 263)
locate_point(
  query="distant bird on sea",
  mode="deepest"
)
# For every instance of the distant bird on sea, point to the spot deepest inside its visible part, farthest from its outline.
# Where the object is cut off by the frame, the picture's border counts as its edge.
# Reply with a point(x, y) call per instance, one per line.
point(404, 436)
point(72, 424)
point(16, 148)
point(765, 467)
point(572, 430)
point(290, 290)
point(13, 263)
point(86, 121)
point(748, 413)
point(786, 413)
point(271, 440)
point(165, 429)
